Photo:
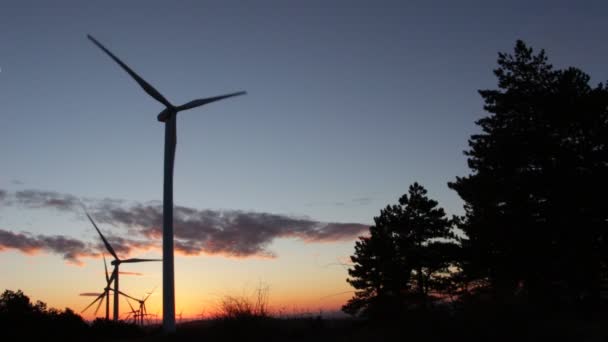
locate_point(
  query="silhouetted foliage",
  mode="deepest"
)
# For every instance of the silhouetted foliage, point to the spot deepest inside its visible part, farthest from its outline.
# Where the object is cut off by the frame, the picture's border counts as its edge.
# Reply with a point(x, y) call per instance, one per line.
point(102, 328)
point(536, 215)
point(407, 260)
point(22, 319)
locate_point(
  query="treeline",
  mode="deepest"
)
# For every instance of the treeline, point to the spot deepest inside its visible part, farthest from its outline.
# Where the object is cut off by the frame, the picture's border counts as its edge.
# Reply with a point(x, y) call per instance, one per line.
point(534, 233)
point(23, 320)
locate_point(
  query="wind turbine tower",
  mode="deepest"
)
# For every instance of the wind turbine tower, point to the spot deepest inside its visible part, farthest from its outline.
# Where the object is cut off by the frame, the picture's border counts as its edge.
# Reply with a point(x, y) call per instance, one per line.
point(167, 116)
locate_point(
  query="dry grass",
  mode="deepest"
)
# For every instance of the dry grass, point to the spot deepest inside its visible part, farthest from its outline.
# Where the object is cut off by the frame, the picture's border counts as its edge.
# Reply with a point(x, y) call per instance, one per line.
point(245, 307)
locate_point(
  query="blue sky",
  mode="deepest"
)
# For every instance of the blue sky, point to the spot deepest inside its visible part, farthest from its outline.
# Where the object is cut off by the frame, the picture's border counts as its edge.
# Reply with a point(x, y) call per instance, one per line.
point(348, 102)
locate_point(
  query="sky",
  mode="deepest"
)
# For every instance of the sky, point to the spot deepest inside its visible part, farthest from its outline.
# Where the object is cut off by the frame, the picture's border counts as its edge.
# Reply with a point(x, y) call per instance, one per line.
point(349, 102)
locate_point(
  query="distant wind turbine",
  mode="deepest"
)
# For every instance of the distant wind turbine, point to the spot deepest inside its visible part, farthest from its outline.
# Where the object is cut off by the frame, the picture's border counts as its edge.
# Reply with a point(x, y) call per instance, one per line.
point(136, 314)
point(116, 263)
point(100, 296)
point(142, 311)
point(133, 313)
point(168, 116)
point(127, 297)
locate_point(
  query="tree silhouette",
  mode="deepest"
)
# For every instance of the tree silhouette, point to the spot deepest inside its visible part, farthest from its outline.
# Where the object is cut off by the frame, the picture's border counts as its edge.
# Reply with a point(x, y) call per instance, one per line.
point(405, 259)
point(21, 319)
point(536, 216)
point(377, 275)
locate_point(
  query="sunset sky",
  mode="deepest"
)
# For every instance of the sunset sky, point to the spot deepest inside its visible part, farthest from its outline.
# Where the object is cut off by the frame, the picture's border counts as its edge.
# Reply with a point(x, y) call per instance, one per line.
point(348, 103)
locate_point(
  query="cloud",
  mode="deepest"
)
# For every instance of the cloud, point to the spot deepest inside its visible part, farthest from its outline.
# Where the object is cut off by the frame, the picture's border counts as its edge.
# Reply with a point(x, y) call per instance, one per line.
point(71, 249)
point(228, 232)
point(46, 199)
point(359, 201)
point(362, 200)
point(222, 232)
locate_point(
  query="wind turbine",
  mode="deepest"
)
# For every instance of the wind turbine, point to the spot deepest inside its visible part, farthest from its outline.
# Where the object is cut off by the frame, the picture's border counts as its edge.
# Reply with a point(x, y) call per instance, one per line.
point(116, 263)
point(143, 311)
point(168, 116)
point(133, 313)
point(100, 296)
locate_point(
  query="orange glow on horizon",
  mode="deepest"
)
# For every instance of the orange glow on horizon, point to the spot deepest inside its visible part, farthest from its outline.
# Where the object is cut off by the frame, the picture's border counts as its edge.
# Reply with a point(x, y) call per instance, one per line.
point(303, 280)
point(297, 307)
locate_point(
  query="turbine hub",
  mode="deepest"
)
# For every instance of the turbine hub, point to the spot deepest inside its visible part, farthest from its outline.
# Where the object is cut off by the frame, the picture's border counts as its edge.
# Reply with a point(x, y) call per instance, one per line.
point(166, 114)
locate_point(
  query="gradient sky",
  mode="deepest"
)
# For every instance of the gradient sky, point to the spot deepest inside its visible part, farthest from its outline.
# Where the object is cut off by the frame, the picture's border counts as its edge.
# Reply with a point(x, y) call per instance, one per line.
point(348, 103)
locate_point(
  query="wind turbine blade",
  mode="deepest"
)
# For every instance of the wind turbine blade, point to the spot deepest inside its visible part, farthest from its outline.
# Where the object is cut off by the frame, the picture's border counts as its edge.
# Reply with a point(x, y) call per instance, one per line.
point(200, 102)
point(142, 83)
point(90, 294)
point(126, 295)
point(148, 296)
point(105, 242)
point(132, 260)
point(131, 306)
point(131, 273)
point(93, 302)
point(105, 266)
point(98, 306)
point(112, 277)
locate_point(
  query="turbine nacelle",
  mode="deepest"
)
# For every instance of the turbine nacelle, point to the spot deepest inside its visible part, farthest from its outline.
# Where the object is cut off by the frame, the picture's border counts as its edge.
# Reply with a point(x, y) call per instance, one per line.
point(165, 115)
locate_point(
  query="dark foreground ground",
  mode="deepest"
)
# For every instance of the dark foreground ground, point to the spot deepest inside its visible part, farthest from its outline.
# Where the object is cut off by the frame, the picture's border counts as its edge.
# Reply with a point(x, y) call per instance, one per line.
point(485, 323)
point(443, 328)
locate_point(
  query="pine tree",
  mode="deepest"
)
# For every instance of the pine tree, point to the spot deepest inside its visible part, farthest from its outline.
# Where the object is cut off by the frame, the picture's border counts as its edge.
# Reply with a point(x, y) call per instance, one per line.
point(405, 259)
point(425, 241)
point(535, 215)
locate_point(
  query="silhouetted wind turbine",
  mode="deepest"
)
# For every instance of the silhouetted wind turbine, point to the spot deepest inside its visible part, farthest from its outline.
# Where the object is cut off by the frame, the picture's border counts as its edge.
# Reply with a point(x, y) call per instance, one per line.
point(168, 116)
point(99, 298)
point(105, 293)
point(116, 263)
point(133, 313)
point(139, 314)
point(128, 302)
point(143, 311)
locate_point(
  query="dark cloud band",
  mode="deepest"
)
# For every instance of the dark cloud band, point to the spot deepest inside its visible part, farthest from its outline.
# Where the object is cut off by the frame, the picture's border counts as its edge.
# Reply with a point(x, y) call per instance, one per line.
point(71, 249)
point(225, 232)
